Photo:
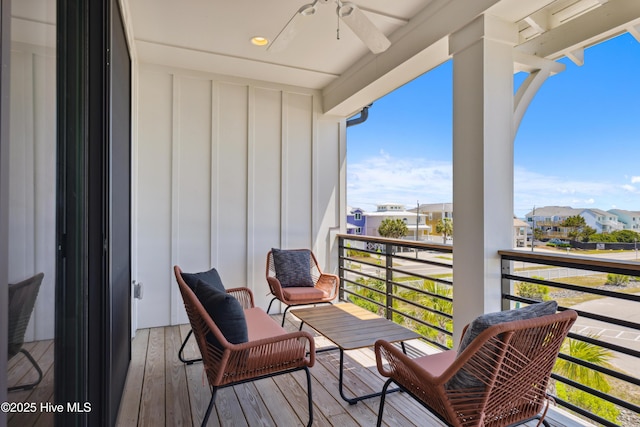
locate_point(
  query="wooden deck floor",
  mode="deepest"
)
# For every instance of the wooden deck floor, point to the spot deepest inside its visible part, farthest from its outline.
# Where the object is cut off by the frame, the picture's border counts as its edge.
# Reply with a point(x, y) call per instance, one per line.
point(162, 391)
point(20, 371)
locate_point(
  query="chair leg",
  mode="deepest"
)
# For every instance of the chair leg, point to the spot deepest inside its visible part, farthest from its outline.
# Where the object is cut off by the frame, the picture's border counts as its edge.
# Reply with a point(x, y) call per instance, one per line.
point(271, 302)
point(382, 396)
point(184, 343)
point(284, 314)
point(309, 398)
point(35, 365)
point(210, 407)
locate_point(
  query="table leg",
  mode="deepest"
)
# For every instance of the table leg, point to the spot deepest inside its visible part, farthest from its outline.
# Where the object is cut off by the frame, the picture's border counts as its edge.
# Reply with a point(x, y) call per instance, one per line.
point(354, 400)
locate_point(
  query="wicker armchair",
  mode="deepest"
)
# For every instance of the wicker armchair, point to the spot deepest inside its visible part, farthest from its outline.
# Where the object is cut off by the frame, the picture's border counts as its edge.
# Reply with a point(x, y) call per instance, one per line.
point(270, 350)
point(324, 291)
point(512, 362)
point(22, 299)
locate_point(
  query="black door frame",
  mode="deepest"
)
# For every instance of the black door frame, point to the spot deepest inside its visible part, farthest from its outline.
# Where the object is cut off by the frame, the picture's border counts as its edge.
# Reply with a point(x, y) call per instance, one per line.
point(84, 343)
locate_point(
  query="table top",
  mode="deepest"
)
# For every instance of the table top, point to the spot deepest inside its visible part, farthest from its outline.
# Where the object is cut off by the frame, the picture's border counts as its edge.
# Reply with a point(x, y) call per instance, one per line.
point(351, 327)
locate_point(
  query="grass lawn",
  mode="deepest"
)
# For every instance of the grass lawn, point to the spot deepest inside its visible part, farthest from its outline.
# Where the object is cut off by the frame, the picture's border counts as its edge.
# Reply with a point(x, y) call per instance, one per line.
point(592, 281)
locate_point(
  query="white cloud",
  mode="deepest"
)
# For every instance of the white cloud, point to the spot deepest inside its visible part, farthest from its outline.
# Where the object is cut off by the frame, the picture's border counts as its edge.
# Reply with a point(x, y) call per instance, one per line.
point(635, 179)
point(532, 188)
point(384, 178)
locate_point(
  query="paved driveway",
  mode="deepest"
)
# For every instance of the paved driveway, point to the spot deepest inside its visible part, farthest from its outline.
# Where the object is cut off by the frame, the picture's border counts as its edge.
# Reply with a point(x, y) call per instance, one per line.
point(627, 337)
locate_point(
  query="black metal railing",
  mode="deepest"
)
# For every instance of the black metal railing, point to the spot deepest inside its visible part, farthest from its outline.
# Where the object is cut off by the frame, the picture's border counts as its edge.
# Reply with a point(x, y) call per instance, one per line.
point(597, 374)
point(405, 281)
point(598, 370)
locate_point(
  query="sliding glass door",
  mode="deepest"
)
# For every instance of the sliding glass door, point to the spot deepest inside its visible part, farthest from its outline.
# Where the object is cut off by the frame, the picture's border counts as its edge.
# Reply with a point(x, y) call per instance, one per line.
point(65, 323)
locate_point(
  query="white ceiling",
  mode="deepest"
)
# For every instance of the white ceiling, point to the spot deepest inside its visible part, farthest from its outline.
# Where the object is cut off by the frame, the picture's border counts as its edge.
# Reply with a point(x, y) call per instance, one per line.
point(214, 36)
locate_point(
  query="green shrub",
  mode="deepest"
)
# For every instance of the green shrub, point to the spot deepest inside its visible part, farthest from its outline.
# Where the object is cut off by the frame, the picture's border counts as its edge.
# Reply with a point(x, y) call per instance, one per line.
point(617, 279)
point(533, 290)
point(353, 253)
point(591, 403)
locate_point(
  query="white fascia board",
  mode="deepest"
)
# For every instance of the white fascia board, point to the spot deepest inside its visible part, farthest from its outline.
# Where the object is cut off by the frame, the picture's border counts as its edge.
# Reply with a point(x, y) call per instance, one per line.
point(604, 22)
point(415, 49)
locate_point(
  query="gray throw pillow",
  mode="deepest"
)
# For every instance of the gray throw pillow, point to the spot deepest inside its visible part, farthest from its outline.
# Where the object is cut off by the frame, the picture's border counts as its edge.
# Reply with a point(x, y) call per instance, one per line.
point(293, 267)
point(225, 311)
point(463, 379)
point(211, 277)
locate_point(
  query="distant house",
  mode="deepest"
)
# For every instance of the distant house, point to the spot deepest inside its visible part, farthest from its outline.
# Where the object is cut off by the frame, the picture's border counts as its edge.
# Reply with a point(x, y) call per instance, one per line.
point(601, 221)
point(356, 221)
point(630, 220)
point(434, 212)
point(415, 222)
point(520, 232)
point(549, 219)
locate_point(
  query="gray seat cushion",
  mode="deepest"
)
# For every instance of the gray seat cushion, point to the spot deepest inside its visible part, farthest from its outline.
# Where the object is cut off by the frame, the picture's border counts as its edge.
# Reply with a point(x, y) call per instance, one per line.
point(463, 379)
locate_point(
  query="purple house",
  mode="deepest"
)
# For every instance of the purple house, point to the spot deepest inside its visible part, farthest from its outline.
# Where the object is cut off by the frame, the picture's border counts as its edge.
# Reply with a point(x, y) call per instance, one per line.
point(356, 221)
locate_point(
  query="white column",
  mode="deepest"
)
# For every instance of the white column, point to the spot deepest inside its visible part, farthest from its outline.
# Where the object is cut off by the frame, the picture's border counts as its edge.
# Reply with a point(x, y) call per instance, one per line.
point(482, 163)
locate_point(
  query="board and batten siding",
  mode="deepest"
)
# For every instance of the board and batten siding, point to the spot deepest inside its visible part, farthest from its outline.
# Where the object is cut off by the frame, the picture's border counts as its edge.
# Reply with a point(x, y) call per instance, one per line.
point(32, 176)
point(226, 169)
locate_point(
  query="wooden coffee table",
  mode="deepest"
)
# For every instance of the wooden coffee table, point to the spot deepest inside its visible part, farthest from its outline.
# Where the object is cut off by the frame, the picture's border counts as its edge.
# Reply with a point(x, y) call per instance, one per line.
point(351, 327)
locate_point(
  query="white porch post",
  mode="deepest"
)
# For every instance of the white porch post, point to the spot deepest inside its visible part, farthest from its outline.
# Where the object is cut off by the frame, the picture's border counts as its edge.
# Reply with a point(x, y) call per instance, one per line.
point(482, 163)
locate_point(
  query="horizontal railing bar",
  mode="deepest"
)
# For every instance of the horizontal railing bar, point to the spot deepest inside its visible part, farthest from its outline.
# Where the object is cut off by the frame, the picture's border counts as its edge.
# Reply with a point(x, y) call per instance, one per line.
point(428, 325)
point(364, 298)
point(597, 393)
point(422, 291)
point(411, 273)
point(423, 261)
point(584, 412)
point(601, 369)
point(360, 273)
point(370, 264)
point(569, 286)
point(397, 242)
point(587, 314)
point(607, 265)
point(422, 307)
point(360, 285)
point(422, 322)
point(624, 350)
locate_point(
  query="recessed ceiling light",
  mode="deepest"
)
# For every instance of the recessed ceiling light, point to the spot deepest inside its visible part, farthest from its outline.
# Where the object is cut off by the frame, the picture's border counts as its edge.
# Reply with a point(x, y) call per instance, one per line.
point(259, 41)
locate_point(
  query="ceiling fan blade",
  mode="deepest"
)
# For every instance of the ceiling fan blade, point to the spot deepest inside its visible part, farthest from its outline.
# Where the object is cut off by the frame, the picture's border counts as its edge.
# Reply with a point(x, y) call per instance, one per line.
point(290, 30)
point(370, 35)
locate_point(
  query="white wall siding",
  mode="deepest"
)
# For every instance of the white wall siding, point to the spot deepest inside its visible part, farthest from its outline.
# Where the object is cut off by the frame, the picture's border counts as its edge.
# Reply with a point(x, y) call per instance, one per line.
point(227, 169)
point(154, 178)
point(32, 172)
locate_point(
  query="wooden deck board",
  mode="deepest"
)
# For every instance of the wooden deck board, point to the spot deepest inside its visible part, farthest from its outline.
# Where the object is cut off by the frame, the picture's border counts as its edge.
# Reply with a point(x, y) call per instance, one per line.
point(162, 391)
point(152, 400)
point(177, 411)
point(43, 392)
point(130, 404)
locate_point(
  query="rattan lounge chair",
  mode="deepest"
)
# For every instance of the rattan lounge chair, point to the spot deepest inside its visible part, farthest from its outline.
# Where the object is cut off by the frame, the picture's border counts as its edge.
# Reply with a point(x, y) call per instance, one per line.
point(323, 291)
point(269, 351)
point(510, 362)
point(22, 298)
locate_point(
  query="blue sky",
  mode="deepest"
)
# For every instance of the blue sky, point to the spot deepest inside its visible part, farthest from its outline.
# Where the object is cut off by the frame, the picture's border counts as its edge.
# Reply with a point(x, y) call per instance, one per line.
point(578, 144)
